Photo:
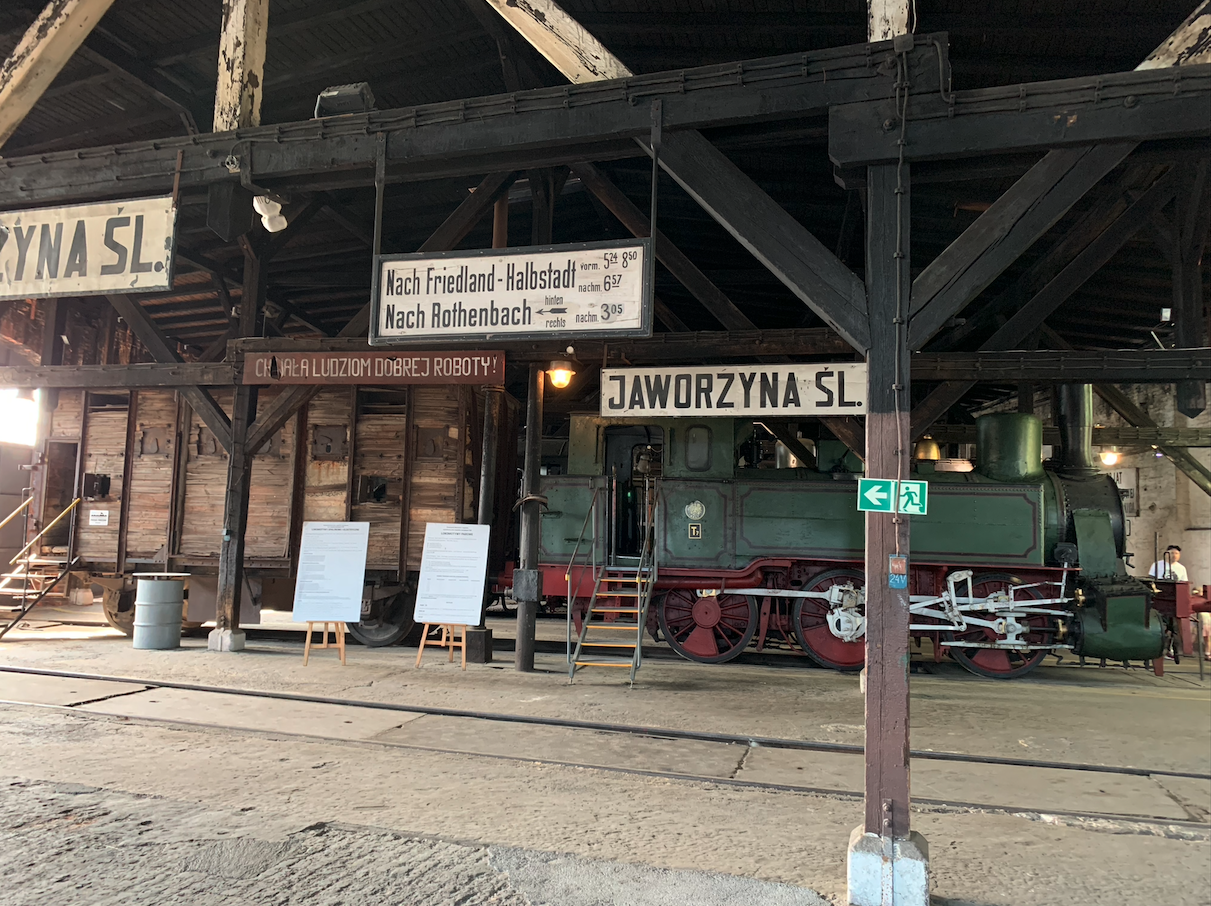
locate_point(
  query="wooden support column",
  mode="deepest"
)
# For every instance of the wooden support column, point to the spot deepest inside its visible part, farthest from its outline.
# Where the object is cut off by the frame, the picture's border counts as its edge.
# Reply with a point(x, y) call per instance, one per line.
point(48, 44)
point(527, 585)
point(1192, 220)
point(241, 79)
point(887, 456)
point(227, 635)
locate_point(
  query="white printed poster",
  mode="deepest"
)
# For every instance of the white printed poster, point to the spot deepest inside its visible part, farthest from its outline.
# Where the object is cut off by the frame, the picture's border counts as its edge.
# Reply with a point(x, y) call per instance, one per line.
point(453, 573)
point(332, 572)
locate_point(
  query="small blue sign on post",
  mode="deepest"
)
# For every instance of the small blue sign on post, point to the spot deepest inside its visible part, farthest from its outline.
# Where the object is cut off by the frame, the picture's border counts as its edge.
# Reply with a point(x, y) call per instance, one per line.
point(897, 571)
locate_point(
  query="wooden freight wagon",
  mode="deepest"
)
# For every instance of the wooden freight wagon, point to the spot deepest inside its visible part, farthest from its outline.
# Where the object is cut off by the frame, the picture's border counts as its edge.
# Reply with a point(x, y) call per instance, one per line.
point(152, 478)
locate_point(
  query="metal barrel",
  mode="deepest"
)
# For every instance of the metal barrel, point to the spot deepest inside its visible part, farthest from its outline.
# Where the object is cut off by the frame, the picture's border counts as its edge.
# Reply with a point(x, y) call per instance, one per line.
point(158, 609)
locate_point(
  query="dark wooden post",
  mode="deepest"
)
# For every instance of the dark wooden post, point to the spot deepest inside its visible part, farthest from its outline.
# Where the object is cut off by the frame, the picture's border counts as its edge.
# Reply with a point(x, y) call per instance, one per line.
point(227, 635)
point(1193, 210)
point(887, 456)
point(527, 587)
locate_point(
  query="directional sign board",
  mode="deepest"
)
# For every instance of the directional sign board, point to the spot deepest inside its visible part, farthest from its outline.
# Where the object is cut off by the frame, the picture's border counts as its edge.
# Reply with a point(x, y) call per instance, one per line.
point(913, 498)
point(599, 289)
point(876, 495)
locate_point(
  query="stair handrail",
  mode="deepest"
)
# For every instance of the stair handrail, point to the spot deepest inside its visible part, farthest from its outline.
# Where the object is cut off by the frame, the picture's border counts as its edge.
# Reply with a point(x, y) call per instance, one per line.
point(590, 515)
point(13, 515)
point(21, 553)
point(42, 594)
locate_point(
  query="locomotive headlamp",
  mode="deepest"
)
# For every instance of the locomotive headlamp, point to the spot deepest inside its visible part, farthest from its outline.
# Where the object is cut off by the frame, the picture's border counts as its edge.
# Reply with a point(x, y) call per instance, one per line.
point(1109, 457)
point(560, 372)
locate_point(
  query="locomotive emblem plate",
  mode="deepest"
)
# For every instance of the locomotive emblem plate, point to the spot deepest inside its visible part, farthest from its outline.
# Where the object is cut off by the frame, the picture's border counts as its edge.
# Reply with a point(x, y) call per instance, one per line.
point(695, 529)
point(695, 510)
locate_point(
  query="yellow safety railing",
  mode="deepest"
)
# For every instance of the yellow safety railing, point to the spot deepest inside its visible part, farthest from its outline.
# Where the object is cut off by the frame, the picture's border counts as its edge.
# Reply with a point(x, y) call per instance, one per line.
point(38, 537)
point(13, 515)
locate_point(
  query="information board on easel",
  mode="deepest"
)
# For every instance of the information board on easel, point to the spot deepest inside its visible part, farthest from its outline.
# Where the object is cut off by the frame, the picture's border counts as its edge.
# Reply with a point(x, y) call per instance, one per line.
point(453, 572)
point(331, 576)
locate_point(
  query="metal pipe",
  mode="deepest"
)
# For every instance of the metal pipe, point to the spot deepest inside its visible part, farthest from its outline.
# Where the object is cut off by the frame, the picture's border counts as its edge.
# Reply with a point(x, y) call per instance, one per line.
point(493, 399)
point(531, 514)
point(13, 515)
point(1074, 417)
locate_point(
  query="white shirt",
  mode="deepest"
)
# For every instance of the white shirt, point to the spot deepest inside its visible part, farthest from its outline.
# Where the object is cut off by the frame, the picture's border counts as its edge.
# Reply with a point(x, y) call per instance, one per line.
point(1162, 570)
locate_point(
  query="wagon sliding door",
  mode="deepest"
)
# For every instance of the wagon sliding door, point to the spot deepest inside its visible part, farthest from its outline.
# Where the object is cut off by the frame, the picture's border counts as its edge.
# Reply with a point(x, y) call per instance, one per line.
point(105, 426)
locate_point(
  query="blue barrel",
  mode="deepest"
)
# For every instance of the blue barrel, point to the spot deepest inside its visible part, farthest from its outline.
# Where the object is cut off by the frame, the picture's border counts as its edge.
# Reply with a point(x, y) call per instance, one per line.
point(159, 605)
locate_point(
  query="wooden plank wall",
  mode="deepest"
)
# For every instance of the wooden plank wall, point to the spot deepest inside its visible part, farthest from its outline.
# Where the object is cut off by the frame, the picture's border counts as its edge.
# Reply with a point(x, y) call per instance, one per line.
point(327, 480)
point(269, 501)
point(440, 443)
point(205, 487)
point(379, 452)
point(104, 454)
point(65, 420)
point(148, 502)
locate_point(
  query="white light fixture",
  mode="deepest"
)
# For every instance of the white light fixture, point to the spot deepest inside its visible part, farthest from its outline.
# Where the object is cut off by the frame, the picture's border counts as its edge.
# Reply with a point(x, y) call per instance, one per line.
point(271, 213)
point(1109, 457)
point(560, 372)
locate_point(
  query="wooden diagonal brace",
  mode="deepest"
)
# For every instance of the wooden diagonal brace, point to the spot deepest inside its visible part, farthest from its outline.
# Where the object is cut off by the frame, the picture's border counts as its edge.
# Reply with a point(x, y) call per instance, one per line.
point(165, 353)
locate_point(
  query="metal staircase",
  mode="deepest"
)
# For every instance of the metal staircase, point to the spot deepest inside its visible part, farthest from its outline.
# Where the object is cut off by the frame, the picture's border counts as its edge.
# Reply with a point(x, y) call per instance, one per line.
point(611, 631)
point(30, 578)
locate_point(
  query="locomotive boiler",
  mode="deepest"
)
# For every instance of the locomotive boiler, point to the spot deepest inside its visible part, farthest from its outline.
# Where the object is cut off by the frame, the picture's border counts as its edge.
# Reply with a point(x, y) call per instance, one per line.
point(1014, 561)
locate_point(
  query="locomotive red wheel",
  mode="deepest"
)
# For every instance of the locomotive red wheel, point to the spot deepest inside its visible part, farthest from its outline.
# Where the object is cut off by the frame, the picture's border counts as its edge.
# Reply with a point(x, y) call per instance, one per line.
point(1002, 663)
point(810, 622)
point(709, 630)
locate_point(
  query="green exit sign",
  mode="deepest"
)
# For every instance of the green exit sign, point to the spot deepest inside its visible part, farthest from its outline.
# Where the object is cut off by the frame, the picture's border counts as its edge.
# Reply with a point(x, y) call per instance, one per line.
point(876, 495)
point(886, 495)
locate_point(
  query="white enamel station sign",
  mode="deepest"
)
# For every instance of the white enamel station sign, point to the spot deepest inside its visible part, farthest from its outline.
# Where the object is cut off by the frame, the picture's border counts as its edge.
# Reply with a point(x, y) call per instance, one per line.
point(581, 289)
point(109, 247)
point(805, 389)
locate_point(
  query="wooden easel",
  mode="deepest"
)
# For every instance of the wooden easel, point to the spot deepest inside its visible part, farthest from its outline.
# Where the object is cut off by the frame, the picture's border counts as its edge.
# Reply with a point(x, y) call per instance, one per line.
point(338, 631)
point(448, 641)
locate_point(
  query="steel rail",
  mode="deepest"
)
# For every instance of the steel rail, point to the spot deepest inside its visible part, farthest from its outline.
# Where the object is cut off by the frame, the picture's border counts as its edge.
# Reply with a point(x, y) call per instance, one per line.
point(918, 804)
point(767, 742)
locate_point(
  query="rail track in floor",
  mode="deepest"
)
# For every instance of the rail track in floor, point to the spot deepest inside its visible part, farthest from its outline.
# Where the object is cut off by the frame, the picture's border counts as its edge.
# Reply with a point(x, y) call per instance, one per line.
point(1096, 820)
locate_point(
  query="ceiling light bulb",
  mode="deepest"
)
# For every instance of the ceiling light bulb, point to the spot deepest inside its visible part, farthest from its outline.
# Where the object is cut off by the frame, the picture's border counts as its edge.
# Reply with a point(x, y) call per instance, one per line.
point(266, 206)
point(1109, 457)
point(561, 373)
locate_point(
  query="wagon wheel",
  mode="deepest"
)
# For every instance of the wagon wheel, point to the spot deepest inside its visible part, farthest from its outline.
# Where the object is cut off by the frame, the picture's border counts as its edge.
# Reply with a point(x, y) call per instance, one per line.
point(389, 620)
point(810, 622)
point(709, 630)
point(1001, 663)
point(119, 609)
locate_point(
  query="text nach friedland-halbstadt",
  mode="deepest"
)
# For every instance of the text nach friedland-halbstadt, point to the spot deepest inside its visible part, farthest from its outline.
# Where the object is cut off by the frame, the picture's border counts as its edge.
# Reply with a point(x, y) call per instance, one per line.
point(418, 309)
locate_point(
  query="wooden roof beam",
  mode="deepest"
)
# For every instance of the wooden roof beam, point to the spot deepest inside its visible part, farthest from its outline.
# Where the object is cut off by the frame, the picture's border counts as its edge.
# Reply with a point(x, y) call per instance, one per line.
point(776, 239)
point(241, 74)
point(48, 44)
point(1033, 205)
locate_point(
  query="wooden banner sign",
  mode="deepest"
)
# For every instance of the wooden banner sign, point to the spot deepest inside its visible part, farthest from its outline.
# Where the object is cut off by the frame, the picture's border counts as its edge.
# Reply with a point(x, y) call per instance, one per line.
point(381, 368)
point(109, 247)
point(837, 388)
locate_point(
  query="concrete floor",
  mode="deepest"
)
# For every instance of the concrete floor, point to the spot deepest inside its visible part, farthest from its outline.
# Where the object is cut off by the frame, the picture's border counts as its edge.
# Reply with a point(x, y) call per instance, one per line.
point(539, 791)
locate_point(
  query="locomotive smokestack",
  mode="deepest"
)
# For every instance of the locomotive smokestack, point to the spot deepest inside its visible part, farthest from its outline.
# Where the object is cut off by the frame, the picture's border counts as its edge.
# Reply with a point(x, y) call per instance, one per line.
point(1075, 421)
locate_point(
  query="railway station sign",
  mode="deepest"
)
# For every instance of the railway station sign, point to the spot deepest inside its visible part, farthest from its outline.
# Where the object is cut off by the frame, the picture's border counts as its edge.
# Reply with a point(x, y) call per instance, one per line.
point(89, 249)
point(597, 289)
point(726, 390)
point(375, 368)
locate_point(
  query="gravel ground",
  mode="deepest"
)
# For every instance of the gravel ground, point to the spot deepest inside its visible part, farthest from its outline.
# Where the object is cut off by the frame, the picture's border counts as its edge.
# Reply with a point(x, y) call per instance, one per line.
point(69, 844)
